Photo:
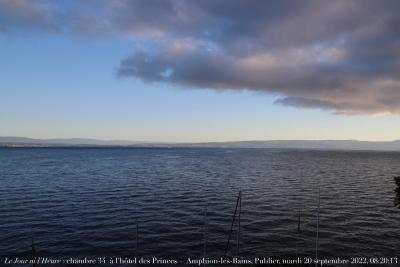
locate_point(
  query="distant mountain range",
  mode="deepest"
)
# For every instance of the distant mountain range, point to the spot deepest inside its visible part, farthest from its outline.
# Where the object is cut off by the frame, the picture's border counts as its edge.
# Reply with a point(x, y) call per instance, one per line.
point(12, 141)
point(66, 142)
point(311, 144)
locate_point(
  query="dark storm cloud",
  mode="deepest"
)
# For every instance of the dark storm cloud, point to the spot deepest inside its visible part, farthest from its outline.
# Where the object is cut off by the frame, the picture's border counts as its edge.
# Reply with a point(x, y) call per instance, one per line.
point(339, 55)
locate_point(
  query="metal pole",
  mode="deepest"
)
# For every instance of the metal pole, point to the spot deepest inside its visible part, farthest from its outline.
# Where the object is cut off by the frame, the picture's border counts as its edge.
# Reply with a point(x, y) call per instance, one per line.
point(33, 254)
point(238, 233)
point(205, 236)
point(230, 232)
point(298, 234)
point(137, 243)
point(317, 235)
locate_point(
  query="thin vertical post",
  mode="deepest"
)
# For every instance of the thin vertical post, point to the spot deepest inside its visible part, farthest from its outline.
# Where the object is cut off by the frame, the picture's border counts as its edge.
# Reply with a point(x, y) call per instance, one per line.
point(33, 254)
point(298, 233)
point(238, 231)
point(299, 215)
point(205, 236)
point(317, 234)
point(137, 243)
point(233, 222)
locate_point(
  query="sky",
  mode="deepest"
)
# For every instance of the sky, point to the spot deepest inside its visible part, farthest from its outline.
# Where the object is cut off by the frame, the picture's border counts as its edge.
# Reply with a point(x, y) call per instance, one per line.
point(198, 71)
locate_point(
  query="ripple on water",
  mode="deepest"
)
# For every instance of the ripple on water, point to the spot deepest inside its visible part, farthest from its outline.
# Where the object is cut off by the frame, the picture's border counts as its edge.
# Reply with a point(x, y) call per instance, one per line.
point(86, 202)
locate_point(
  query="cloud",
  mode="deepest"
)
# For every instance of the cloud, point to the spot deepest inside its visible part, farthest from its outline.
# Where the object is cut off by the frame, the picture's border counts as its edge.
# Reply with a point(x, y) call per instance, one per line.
point(341, 56)
point(26, 15)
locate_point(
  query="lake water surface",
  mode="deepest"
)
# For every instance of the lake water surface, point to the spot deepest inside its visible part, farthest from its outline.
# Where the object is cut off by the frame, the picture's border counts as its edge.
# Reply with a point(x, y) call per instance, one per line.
point(85, 202)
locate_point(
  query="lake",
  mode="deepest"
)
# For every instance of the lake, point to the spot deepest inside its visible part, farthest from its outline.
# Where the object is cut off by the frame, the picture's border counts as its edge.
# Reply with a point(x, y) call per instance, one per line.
point(88, 202)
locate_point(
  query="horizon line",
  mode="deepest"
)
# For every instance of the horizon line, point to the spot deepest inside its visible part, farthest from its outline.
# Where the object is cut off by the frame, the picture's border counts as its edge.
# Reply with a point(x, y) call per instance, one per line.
point(189, 142)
